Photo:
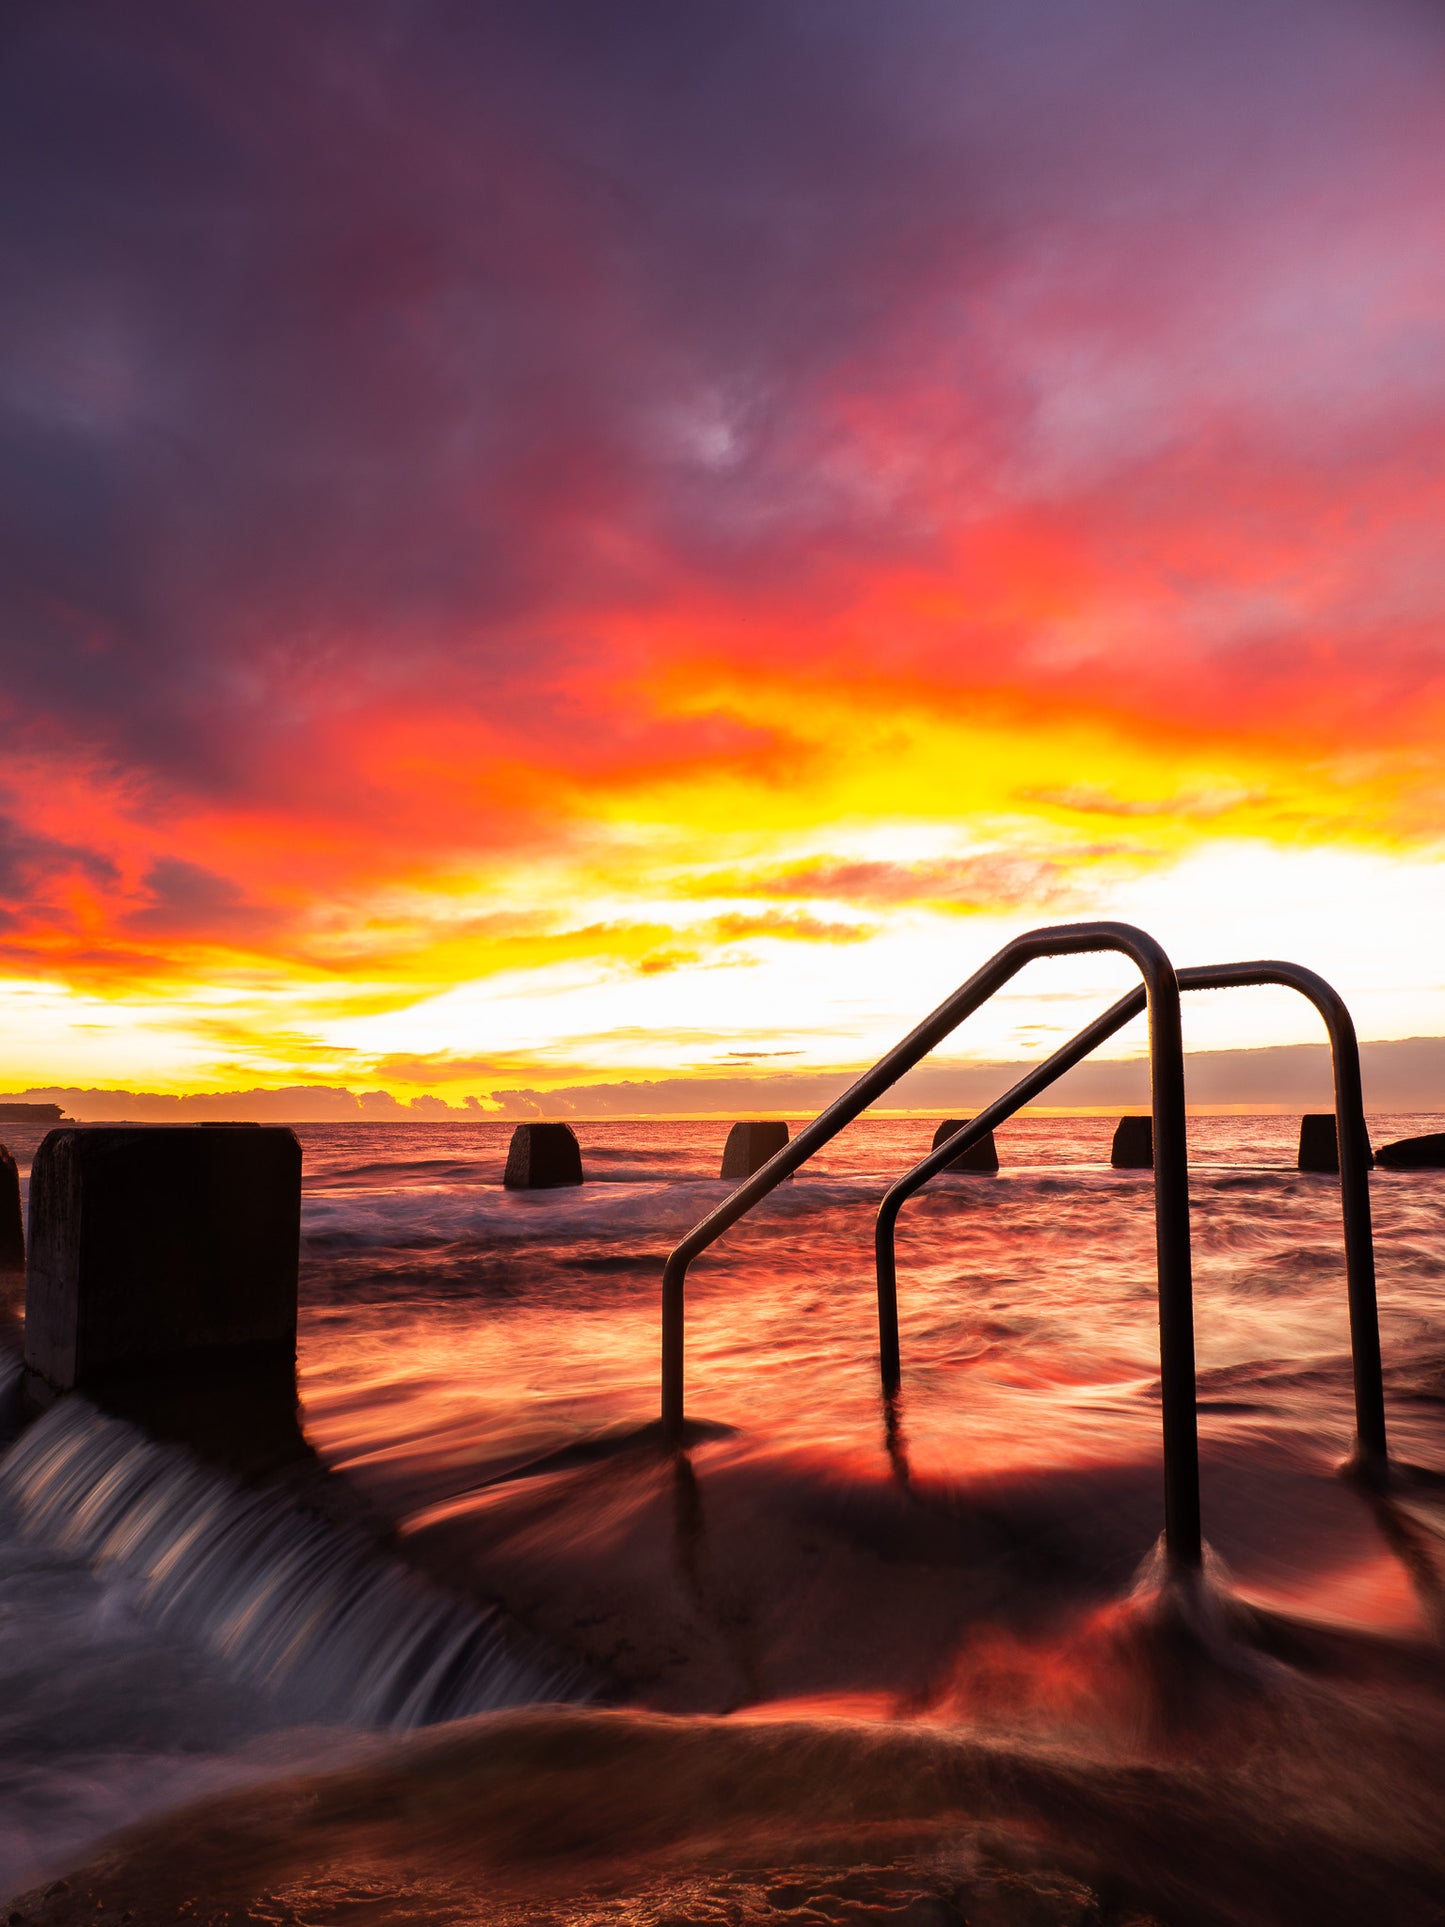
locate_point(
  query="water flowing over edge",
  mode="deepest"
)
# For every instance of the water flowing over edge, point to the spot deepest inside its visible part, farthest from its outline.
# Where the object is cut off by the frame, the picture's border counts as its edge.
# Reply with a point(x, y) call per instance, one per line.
point(287, 1600)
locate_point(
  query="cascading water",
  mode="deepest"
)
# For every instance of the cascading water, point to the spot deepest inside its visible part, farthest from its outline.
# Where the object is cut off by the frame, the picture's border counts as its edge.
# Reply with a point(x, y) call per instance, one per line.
point(289, 1601)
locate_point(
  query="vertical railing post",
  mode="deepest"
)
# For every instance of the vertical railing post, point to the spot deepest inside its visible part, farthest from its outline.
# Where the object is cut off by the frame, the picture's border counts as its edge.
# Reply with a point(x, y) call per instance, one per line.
point(1371, 1445)
point(1182, 1534)
point(1372, 1448)
point(674, 1279)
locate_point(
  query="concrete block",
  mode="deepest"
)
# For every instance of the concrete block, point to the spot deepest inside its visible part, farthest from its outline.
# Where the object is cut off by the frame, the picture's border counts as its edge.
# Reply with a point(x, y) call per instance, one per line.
point(749, 1147)
point(1414, 1153)
point(162, 1252)
point(12, 1260)
point(12, 1224)
point(541, 1157)
point(1133, 1146)
point(1319, 1147)
point(982, 1156)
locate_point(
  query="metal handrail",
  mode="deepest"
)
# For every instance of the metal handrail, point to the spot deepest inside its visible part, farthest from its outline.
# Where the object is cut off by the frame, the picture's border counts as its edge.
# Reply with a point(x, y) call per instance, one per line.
point(1171, 1194)
point(1371, 1452)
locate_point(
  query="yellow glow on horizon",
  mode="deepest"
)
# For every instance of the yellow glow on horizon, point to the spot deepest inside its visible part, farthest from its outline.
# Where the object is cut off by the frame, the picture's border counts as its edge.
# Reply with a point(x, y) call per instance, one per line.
point(753, 1000)
point(800, 897)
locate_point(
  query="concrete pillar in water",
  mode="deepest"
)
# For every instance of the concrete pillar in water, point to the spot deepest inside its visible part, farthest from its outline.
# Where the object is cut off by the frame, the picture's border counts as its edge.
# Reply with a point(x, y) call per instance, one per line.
point(1319, 1142)
point(749, 1147)
point(162, 1277)
point(541, 1157)
point(12, 1246)
point(1133, 1146)
point(982, 1156)
point(12, 1225)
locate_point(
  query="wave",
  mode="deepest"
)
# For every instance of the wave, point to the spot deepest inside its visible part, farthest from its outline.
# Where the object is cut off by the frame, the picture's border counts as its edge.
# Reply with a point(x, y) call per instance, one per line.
point(1243, 1799)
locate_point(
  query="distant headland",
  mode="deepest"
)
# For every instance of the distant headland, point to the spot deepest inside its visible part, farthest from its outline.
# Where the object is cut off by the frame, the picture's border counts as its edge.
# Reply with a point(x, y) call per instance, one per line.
point(1403, 1075)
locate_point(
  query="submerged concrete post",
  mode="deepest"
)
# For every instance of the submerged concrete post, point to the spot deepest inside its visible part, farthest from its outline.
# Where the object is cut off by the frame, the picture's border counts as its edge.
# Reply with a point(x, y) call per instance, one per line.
point(1133, 1146)
point(541, 1157)
point(749, 1147)
point(12, 1224)
point(162, 1276)
point(12, 1244)
point(982, 1156)
point(1319, 1143)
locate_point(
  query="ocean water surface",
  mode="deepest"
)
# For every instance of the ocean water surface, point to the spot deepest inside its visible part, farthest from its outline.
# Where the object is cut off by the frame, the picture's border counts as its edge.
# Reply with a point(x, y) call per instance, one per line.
point(841, 1660)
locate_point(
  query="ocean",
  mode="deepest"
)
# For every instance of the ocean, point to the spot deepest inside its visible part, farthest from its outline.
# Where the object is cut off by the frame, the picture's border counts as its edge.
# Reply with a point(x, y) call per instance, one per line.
point(841, 1660)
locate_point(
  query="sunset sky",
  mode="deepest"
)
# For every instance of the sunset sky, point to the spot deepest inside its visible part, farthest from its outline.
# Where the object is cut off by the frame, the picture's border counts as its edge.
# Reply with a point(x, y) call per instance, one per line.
point(580, 542)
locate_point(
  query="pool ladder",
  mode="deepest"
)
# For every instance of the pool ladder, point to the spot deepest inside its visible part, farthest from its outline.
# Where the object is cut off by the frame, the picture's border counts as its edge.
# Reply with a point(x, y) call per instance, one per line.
point(1159, 993)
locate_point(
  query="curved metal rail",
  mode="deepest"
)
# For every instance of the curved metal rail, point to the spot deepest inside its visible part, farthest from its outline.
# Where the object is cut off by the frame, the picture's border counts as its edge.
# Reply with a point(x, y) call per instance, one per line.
point(1171, 1193)
point(1370, 1446)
